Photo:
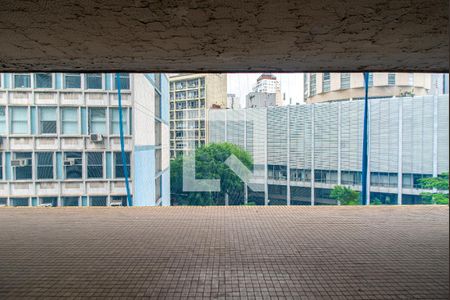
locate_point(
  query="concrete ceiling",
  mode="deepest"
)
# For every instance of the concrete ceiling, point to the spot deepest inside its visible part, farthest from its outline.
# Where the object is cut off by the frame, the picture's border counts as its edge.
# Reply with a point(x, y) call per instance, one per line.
point(213, 35)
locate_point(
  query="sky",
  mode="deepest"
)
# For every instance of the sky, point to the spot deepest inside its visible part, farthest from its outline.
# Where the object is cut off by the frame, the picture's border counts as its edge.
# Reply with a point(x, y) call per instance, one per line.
point(291, 84)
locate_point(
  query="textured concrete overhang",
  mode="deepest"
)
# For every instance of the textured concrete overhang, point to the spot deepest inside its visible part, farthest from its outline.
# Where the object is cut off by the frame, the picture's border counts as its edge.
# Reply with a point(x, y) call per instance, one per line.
point(213, 35)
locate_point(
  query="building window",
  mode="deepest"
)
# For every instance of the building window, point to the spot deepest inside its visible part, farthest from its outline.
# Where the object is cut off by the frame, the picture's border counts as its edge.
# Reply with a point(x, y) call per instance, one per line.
point(115, 121)
point(48, 201)
point(70, 201)
point(312, 84)
point(44, 165)
point(97, 120)
point(124, 81)
point(22, 81)
point(98, 200)
point(157, 105)
point(158, 161)
point(158, 188)
point(18, 120)
point(69, 120)
point(118, 165)
point(19, 201)
point(326, 82)
point(2, 120)
point(119, 200)
point(370, 79)
point(73, 165)
point(157, 133)
point(1, 166)
point(391, 79)
point(158, 81)
point(72, 81)
point(410, 79)
point(95, 165)
point(47, 120)
point(43, 80)
point(345, 80)
point(22, 164)
point(94, 81)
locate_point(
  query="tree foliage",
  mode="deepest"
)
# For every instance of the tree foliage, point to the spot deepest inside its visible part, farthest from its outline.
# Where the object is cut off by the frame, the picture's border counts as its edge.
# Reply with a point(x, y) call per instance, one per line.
point(439, 185)
point(210, 164)
point(345, 195)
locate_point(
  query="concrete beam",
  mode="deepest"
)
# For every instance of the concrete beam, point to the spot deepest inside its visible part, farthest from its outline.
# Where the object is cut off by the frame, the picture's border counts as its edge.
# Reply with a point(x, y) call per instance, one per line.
point(235, 35)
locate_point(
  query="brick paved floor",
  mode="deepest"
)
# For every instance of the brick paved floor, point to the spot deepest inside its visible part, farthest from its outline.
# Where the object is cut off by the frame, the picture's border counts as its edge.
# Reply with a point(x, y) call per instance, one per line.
point(225, 253)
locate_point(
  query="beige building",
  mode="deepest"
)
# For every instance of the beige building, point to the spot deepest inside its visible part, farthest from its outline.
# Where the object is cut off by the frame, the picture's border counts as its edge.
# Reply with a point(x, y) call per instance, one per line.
point(191, 95)
point(324, 87)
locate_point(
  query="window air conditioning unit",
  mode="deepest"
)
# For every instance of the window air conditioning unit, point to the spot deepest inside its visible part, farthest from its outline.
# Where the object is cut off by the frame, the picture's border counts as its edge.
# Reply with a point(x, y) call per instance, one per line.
point(96, 138)
point(69, 162)
point(22, 162)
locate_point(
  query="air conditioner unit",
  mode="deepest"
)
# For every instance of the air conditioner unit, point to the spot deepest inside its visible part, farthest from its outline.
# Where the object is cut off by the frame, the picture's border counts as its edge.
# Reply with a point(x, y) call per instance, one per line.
point(22, 162)
point(96, 138)
point(69, 162)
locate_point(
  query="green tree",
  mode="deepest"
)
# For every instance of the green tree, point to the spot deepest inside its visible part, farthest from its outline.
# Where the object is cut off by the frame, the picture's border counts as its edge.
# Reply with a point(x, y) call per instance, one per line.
point(439, 185)
point(345, 195)
point(210, 164)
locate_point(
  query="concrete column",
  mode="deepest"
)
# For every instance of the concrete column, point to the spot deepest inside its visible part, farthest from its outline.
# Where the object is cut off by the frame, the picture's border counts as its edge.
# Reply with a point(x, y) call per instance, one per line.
point(435, 138)
point(245, 147)
point(339, 145)
point(312, 155)
point(266, 184)
point(400, 154)
point(288, 159)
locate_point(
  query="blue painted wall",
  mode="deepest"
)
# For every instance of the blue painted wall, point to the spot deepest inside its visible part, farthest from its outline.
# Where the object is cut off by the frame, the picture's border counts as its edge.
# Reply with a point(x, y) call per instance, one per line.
point(144, 176)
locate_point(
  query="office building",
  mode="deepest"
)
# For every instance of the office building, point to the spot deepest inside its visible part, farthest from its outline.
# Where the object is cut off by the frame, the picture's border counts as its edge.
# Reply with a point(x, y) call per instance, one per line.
point(191, 95)
point(266, 92)
point(324, 87)
point(301, 152)
point(60, 145)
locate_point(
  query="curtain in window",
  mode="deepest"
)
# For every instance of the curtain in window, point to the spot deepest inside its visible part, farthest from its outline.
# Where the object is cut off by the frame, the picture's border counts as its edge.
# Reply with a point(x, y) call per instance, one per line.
point(45, 165)
point(97, 120)
point(19, 120)
point(69, 120)
point(95, 164)
point(43, 80)
point(47, 123)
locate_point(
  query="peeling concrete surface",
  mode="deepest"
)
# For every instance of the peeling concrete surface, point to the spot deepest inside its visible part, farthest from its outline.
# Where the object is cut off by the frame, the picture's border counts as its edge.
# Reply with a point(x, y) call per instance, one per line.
point(199, 35)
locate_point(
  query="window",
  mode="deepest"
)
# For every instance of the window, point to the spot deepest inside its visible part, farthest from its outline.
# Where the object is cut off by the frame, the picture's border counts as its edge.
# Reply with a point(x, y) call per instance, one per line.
point(158, 81)
point(115, 121)
point(72, 81)
point(391, 79)
point(47, 120)
point(2, 120)
point(22, 81)
point(345, 80)
point(70, 201)
point(97, 120)
point(73, 165)
point(1, 166)
point(124, 81)
point(410, 79)
point(118, 166)
point(18, 120)
point(157, 105)
point(158, 188)
point(119, 200)
point(370, 79)
point(19, 201)
point(312, 84)
point(326, 82)
point(98, 201)
point(157, 133)
point(22, 164)
point(48, 201)
point(95, 164)
point(158, 165)
point(69, 120)
point(44, 165)
point(43, 80)
point(94, 81)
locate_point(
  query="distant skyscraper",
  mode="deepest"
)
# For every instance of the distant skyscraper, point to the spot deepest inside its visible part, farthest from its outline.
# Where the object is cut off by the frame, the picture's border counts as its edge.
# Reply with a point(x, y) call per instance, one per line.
point(190, 97)
point(233, 101)
point(266, 92)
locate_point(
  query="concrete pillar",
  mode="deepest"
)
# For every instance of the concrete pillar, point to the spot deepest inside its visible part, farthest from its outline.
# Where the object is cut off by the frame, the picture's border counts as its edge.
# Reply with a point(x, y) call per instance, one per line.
point(339, 145)
point(312, 156)
point(400, 154)
point(288, 160)
point(435, 135)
